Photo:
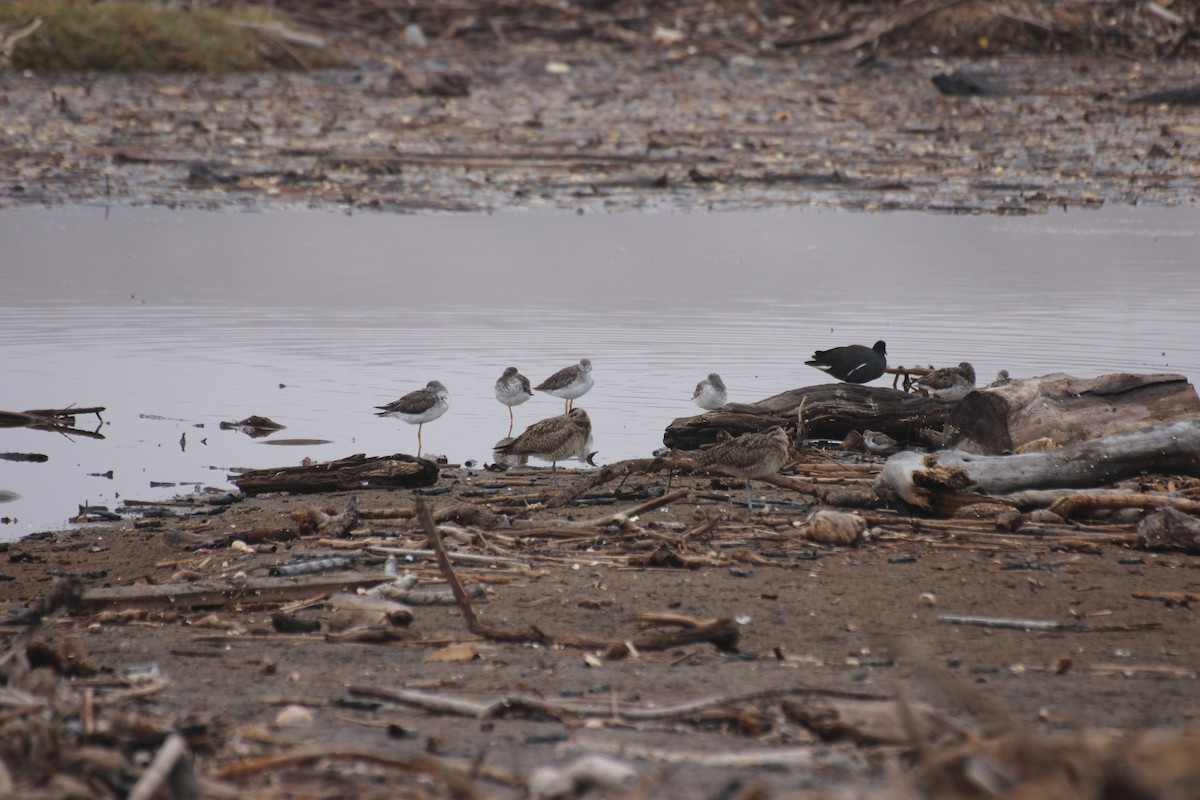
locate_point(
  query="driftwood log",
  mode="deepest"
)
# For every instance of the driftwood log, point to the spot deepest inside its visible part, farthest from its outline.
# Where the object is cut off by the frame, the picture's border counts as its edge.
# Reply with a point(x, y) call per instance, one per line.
point(1058, 410)
point(944, 481)
point(354, 472)
point(828, 411)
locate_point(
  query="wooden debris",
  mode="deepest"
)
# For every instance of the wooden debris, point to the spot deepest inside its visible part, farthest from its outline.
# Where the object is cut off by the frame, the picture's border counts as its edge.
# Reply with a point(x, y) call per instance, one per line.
point(863, 722)
point(1169, 529)
point(831, 411)
point(315, 521)
point(58, 420)
point(213, 593)
point(351, 610)
point(1067, 410)
point(945, 481)
point(1040, 624)
point(567, 709)
point(579, 776)
point(166, 761)
point(421, 765)
point(838, 528)
point(351, 473)
point(721, 633)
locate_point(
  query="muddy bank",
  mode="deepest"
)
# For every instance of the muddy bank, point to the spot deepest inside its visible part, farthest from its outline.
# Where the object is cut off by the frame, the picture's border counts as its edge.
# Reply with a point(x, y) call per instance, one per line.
point(591, 130)
point(814, 624)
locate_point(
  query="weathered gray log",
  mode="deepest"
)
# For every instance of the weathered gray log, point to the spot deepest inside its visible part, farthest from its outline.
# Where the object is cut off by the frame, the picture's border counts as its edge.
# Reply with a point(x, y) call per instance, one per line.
point(354, 472)
point(1067, 410)
point(943, 481)
point(831, 411)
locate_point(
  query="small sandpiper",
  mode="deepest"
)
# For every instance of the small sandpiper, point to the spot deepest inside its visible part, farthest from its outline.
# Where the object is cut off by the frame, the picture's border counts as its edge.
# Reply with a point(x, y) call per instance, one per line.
point(419, 407)
point(512, 389)
point(949, 383)
point(751, 455)
point(569, 383)
point(554, 439)
point(879, 443)
point(710, 393)
point(1002, 379)
point(853, 363)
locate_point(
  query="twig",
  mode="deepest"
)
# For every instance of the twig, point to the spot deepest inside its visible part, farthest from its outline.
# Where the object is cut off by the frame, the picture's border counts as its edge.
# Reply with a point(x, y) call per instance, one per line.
point(160, 768)
point(621, 469)
point(1042, 624)
point(622, 518)
point(474, 625)
point(427, 765)
point(565, 709)
point(466, 558)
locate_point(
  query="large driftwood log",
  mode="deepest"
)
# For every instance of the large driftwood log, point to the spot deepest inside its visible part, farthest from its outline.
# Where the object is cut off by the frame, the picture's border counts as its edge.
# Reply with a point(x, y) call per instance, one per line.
point(944, 481)
point(1066, 410)
point(354, 472)
point(830, 411)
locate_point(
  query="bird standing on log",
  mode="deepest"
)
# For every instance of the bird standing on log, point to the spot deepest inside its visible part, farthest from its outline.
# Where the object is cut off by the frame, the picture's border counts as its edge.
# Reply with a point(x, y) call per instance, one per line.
point(710, 393)
point(554, 439)
point(949, 383)
point(569, 383)
point(853, 363)
point(512, 389)
point(419, 407)
point(751, 455)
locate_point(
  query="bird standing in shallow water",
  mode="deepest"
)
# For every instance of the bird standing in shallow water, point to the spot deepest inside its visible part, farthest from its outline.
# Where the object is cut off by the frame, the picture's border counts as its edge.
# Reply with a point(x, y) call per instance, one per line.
point(853, 363)
point(419, 407)
point(710, 393)
point(569, 382)
point(751, 455)
point(554, 439)
point(949, 383)
point(512, 389)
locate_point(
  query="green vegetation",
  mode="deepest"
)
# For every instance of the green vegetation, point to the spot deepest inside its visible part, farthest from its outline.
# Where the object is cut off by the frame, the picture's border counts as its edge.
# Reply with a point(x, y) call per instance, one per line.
point(131, 36)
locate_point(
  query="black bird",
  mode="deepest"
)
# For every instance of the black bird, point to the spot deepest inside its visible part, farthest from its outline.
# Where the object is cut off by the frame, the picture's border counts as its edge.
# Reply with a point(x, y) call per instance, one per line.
point(853, 363)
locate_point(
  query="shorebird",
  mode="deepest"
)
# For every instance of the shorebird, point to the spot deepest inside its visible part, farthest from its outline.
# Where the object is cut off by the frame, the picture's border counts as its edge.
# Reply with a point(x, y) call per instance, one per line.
point(569, 382)
point(853, 363)
point(710, 393)
point(751, 455)
point(512, 389)
point(1002, 379)
point(554, 439)
point(949, 383)
point(419, 407)
point(879, 443)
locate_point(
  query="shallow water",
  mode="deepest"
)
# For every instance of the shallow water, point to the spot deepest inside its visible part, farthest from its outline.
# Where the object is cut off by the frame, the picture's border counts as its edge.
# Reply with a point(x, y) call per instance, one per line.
point(177, 320)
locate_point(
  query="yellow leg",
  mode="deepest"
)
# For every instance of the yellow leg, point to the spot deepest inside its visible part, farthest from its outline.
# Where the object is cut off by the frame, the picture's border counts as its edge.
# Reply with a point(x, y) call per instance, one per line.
point(422, 425)
point(510, 421)
point(567, 407)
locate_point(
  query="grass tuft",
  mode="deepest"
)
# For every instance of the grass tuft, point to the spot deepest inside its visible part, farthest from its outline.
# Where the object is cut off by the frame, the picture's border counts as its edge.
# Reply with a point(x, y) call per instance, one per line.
point(131, 36)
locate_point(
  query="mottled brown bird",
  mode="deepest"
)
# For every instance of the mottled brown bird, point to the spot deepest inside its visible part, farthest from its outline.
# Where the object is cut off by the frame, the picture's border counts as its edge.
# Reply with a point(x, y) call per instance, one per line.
point(751, 455)
point(553, 440)
point(949, 383)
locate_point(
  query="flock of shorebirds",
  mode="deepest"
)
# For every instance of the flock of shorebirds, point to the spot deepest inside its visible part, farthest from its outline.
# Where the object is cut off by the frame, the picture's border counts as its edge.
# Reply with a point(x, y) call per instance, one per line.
point(752, 455)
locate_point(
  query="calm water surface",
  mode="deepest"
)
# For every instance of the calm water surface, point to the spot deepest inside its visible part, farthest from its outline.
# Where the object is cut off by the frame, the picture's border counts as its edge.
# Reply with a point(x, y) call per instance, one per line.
point(177, 320)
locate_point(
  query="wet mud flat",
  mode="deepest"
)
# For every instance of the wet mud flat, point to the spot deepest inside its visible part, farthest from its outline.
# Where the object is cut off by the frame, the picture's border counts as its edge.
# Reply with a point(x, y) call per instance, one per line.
point(590, 128)
point(1063, 636)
